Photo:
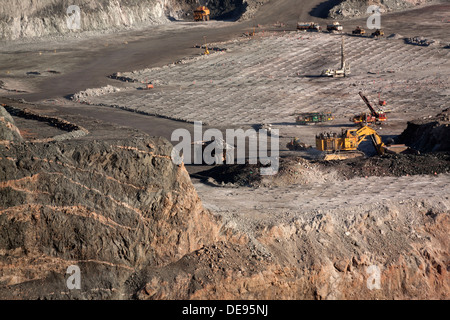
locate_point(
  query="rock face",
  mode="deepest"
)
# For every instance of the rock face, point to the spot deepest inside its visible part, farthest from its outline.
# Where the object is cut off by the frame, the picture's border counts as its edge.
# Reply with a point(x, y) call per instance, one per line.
point(356, 8)
point(22, 19)
point(108, 207)
point(28, 18)
point(421, 41)
point(376, 258)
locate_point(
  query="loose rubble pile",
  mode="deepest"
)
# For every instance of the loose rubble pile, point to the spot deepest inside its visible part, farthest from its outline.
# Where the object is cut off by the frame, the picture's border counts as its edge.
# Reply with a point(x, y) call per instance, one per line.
point(391, 165)
point(94, 92)
point(431, 134)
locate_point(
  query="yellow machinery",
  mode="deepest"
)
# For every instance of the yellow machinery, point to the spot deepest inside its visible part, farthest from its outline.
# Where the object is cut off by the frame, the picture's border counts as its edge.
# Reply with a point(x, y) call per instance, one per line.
point(359, 31)
point(378, 33)
point(206, 47)
point(344, 146)
point(201, 14)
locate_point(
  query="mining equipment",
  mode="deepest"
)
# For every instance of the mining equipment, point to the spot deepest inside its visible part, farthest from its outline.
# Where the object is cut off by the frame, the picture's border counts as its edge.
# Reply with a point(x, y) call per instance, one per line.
point(344, 145)
point(378, 33)
point(313, 117)
point(359, 31)
point(201, 14)
point(376, 117)
point(308, 26)
point(343, 71)
point(335, 26)
point(296, 145)
point(206, 52)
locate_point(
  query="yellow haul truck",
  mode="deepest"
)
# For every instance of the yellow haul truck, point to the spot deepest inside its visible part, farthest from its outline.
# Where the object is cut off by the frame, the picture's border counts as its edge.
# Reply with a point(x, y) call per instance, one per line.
point(201, 14)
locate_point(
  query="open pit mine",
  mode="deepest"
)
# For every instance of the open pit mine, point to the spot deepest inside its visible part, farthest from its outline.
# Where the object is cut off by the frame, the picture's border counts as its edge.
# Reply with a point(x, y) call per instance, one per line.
point(95, 95)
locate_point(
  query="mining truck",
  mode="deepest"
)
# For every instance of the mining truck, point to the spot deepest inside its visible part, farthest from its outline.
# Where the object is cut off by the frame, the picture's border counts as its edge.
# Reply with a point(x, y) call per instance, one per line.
point(308, 26)
point(201, 14)
point(313, 117)
point(335, 26)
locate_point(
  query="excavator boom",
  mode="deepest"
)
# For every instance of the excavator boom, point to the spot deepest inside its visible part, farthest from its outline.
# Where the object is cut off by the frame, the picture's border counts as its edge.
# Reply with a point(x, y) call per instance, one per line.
point(376, 139)
point(372, 110)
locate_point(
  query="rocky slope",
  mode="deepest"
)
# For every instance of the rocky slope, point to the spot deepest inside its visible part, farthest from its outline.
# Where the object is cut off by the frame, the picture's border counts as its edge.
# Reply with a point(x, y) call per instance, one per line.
point(327, 257)
point(28, 18)
point(356, 8)
point(109, 207)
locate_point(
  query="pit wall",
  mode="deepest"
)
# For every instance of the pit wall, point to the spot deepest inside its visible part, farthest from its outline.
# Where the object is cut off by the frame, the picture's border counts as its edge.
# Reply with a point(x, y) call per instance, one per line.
point(30, 19)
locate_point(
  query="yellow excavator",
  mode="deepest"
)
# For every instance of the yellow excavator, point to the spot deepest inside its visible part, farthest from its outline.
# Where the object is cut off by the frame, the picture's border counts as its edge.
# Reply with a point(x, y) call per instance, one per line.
point(344, 146)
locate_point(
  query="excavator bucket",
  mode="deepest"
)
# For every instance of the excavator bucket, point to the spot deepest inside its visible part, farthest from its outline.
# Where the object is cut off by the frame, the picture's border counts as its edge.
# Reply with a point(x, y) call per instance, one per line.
point(400, 148)
point(342, 155)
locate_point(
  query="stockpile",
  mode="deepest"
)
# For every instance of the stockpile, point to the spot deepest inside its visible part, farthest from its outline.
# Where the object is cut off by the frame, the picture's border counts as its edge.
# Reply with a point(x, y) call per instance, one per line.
point(390, 165)
point(428, 134)
point(292, 170)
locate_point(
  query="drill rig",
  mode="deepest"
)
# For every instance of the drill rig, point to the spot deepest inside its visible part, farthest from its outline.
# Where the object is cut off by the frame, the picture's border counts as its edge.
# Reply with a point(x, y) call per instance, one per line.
point(343, 71)
point(364, 118)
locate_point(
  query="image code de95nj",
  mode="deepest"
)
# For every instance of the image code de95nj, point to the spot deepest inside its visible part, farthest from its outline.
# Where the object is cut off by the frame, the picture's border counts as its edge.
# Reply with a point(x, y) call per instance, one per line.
point(231, 309)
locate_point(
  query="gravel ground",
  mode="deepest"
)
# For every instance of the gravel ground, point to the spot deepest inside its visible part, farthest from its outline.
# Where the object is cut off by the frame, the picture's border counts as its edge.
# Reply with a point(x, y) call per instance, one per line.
point(270, 77)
